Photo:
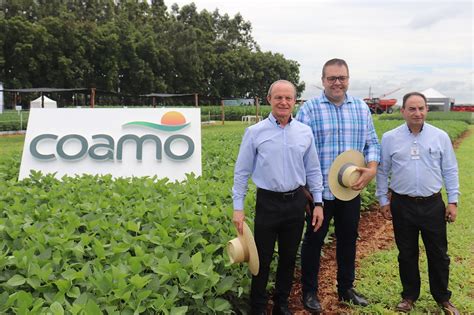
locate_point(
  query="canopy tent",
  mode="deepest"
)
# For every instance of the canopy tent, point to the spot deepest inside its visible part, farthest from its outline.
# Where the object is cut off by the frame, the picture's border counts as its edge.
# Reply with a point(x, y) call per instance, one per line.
point(17, 92)
point(436, 100)
point(43, 102)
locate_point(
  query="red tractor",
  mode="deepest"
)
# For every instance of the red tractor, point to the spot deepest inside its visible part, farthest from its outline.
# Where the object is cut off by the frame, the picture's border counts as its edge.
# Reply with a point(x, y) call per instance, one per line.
point(379, 105)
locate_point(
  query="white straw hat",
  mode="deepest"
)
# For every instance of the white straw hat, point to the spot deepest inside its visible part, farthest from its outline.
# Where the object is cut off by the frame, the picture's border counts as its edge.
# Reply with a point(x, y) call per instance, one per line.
point(343, 174)
point(243, 249)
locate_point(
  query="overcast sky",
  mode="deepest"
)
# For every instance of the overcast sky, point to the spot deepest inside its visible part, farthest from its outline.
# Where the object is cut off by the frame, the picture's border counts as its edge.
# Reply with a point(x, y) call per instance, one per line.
point(413, 45)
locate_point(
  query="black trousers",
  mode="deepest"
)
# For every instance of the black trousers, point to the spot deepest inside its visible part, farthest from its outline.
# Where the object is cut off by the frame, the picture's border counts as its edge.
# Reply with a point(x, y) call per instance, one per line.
point(410, 218)
point(277, 219)
point(346, 216)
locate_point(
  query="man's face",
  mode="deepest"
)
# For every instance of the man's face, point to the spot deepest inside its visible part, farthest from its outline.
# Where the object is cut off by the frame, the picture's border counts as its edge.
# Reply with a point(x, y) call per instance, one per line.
point(282, 100)
point(334, 89)
point(415, 111)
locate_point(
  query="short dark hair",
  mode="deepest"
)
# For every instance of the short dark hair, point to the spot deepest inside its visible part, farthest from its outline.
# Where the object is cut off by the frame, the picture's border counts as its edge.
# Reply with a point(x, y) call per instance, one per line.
point(269, 94)
point(408, 95)
point(336, 61)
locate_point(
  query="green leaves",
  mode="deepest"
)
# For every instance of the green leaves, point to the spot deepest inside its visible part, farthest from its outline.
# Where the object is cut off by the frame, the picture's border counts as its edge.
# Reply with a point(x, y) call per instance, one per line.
point(16, 280)
point(93, 245)
point(57, 309)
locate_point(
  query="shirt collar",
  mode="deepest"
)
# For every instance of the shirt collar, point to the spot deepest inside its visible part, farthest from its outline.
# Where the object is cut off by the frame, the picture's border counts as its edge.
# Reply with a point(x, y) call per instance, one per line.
point(347, 100)
point(276, 122)
point(409, 130)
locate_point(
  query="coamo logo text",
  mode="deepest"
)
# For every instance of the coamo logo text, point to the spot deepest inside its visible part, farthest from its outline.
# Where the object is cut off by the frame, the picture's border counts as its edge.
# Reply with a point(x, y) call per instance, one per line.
point(104, 147)
point(123, 142)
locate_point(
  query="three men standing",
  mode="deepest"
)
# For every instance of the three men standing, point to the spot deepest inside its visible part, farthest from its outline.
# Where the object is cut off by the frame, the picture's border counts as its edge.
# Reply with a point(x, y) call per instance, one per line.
point(339, 122)
point(282, 154)
point(418, 158)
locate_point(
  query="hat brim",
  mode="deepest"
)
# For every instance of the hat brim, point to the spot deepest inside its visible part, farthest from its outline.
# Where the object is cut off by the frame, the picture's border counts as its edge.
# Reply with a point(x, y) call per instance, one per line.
point(339, 191)
point(254, 262)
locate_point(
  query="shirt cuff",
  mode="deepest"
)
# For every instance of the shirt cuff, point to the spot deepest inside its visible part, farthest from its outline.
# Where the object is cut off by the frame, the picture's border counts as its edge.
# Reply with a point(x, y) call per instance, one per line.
point(453, 198)
point(383, 201)
point(239, 205)
point(317, 196)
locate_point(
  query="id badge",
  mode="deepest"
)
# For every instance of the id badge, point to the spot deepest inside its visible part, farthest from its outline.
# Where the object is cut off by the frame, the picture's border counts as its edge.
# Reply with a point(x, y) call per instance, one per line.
point(415, 152)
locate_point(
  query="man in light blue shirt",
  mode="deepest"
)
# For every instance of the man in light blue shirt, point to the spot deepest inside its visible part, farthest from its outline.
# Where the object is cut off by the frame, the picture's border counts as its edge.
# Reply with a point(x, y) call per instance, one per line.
point(280, 156)
point(418, 158)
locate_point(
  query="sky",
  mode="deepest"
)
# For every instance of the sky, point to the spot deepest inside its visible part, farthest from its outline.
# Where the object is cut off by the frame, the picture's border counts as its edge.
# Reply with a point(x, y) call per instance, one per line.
point(388, 45)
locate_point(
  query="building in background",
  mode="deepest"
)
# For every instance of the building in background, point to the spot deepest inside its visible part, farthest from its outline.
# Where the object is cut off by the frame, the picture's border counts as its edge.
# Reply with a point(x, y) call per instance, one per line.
point(437, 101)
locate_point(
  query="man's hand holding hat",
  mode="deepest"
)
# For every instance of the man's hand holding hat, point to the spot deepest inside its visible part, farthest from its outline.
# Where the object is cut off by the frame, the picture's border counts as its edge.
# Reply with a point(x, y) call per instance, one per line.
point(238, 219)
point(366, 175)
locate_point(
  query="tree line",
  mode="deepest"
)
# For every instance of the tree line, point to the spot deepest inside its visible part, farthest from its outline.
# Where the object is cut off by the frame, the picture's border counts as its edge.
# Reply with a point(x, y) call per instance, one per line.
point(135, 47)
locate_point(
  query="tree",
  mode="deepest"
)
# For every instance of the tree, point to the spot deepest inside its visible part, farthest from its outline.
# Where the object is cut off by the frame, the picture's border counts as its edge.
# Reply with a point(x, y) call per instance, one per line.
point(135, 47)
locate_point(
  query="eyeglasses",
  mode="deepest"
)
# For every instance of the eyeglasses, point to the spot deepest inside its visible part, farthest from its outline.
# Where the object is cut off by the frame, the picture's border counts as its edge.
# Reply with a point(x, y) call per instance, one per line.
point(341, 79)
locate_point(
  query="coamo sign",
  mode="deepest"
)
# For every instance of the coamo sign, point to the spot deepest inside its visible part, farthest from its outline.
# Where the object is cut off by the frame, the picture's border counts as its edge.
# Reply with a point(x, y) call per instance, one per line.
point(121, 142)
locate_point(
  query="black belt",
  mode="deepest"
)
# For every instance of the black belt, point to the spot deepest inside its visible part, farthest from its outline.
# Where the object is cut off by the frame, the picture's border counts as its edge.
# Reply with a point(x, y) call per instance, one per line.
point(419, 199)
point(287, 195)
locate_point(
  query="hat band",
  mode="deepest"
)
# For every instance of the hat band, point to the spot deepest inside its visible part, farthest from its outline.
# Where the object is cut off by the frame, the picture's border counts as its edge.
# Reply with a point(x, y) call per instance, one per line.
point(340, 174)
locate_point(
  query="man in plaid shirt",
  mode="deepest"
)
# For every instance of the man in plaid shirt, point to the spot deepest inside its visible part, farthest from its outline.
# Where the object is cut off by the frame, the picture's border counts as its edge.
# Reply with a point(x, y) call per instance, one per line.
point(339, 122)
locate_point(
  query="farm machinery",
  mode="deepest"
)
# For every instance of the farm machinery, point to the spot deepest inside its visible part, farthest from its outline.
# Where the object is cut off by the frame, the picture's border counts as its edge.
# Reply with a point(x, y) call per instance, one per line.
point(379, 105)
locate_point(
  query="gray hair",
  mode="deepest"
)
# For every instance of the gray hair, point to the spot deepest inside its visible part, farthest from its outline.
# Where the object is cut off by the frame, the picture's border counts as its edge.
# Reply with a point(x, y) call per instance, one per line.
point(269, 94)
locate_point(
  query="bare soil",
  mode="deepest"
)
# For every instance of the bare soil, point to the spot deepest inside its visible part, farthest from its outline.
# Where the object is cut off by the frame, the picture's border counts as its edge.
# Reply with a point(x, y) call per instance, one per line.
point(460, 139)
point(375, 233)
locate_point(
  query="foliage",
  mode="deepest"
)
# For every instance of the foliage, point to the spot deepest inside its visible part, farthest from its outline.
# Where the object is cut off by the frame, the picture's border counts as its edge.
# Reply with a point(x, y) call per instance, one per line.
point(232, 113)
point(121, 246)
point(12, 121)
point(453, 128)
point(457, 116)
point(135, 47)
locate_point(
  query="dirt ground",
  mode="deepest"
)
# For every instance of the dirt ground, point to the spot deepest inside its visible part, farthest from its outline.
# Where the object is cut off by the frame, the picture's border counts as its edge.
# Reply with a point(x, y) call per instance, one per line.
point(375, 233)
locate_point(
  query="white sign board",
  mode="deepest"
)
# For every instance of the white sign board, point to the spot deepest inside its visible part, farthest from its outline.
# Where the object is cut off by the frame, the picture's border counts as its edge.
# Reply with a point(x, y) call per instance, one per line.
point(121, 142)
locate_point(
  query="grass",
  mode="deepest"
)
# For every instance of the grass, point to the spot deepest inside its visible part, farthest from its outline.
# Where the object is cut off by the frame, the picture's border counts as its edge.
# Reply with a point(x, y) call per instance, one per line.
point(378, 275)
point(11, 144)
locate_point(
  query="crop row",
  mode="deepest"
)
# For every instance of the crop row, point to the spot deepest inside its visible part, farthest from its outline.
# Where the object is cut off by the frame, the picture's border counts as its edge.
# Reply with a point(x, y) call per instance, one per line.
point(467, 117)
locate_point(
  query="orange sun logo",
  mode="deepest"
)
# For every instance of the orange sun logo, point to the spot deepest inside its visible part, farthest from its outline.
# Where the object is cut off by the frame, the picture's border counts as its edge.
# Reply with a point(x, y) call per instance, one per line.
point(173, 119)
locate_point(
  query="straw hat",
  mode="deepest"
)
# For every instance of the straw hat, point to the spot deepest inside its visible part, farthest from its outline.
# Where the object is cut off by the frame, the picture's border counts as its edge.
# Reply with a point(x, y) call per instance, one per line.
point(343, 174)
point(243, 249)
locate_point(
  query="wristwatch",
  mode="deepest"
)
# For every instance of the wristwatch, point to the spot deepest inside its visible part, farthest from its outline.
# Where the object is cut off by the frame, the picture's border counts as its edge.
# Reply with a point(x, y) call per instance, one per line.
point(319, 204)
point(453, 203)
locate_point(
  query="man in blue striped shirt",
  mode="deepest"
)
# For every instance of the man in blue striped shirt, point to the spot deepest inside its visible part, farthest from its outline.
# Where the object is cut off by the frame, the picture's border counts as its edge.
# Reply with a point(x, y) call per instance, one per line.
point(339, 123)
point(418, 158)
point(280, 155)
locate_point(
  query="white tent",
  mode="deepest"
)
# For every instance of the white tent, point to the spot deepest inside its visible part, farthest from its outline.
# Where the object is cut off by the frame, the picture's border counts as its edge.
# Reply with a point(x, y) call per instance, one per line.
point(436, 100)
point(48, 103)
point(432, 93)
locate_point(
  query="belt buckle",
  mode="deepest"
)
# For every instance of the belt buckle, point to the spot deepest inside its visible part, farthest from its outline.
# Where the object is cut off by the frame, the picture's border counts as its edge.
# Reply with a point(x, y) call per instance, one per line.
point(288, 195)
